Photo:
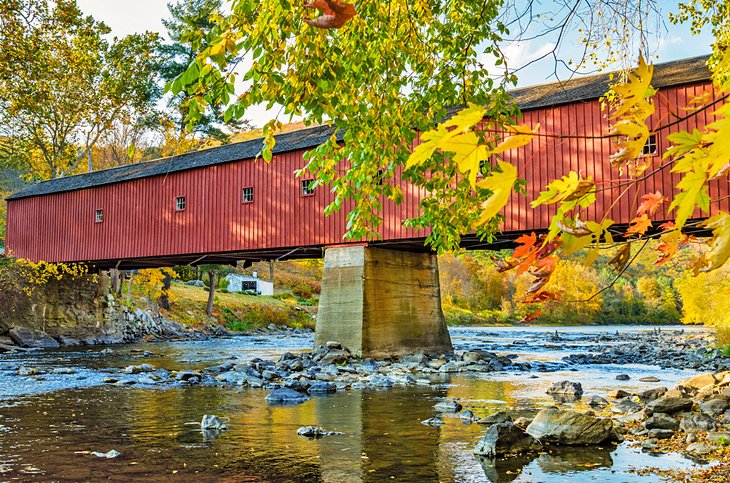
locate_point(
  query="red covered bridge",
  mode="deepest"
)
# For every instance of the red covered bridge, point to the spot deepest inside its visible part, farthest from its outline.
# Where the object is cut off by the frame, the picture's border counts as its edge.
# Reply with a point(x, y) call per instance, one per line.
point(220, 205)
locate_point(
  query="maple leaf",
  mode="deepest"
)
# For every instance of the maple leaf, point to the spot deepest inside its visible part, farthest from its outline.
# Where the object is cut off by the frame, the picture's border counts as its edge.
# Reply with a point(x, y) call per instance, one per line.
point(568, 188)
point(521, 135)
point(633, 93)
point(639, 225)
point(525, 245)
point(667, 226)
point(622, 257)
point(650, 203)
point(720, 244)
point(693, 192)
point(500, 184)
point(530, 317)
point(441, 137)
point(668, 246)
point(719, 136)
point(335, 14)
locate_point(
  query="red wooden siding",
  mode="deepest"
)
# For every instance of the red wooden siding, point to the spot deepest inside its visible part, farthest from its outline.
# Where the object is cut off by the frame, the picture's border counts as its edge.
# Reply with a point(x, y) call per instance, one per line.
point(140, 220)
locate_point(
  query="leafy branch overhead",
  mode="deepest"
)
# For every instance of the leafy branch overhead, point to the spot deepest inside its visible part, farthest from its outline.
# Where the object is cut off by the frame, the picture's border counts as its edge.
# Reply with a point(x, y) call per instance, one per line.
point(381, 73)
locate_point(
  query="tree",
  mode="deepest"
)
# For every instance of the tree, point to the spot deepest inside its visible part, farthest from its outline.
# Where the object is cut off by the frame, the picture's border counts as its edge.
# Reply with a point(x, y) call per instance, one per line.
point(388, 73)
point(189, 18)
point(63, 85)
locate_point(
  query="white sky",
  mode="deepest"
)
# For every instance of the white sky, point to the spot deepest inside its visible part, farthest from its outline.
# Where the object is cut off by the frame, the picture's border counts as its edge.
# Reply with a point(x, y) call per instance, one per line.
point(129, 16)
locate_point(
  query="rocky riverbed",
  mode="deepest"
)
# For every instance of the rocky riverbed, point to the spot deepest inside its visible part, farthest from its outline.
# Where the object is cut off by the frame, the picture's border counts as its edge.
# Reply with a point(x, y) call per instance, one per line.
point(495, 385)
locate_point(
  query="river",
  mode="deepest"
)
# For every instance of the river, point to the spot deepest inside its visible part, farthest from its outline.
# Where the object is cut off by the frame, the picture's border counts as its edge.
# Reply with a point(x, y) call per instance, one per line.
point(50, 424)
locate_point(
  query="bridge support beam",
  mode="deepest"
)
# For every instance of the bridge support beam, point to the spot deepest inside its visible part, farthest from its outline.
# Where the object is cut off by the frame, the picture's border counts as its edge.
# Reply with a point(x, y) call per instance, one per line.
point(379, 302)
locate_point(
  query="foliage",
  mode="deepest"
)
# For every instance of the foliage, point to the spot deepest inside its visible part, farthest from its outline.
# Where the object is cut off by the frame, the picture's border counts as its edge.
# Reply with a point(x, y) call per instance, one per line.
point(379, 80)
point(699, 306)
point(151, 280)
point(63, 85)
point(188, 18)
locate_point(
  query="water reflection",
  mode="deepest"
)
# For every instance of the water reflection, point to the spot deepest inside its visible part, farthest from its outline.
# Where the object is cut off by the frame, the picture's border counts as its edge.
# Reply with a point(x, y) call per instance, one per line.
point(50, 436)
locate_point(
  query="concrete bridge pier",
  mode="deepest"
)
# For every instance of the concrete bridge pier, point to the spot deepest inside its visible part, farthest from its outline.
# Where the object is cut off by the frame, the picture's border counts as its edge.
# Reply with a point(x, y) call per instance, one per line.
point(379, 302)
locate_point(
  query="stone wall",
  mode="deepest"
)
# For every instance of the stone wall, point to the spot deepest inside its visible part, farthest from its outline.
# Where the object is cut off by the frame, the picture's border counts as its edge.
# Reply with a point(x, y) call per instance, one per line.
point(79, 311)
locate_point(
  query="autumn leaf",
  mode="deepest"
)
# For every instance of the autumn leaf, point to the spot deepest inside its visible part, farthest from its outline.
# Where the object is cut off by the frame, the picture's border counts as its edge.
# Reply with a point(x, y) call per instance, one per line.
point(521, 135)
point(525, 244)
point(650, 203)
point(450, 140)
point(720, 244)
point(639, 225)
point(622, 257)
point(334, 15)
point(693, 192)
point(569, 188)
point(500, 184)
point(633, 93)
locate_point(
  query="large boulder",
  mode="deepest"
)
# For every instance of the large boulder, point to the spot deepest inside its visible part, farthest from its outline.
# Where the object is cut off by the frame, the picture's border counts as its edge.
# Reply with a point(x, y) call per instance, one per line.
point(697, 422)
point(26, 337)
point(669, 405)
point(505, 438)
point(701, 380)
point(560, 426)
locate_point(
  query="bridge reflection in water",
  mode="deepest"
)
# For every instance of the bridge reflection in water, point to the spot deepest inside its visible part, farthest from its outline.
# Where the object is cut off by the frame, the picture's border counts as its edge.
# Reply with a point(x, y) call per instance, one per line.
point(158, 434)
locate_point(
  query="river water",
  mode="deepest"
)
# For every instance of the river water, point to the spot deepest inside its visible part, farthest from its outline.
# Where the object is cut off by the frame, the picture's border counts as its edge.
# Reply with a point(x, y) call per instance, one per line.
point(50, 424)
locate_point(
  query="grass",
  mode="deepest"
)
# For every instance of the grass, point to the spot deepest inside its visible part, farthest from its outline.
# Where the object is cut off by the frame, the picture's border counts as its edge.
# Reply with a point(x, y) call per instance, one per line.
point(236, 311)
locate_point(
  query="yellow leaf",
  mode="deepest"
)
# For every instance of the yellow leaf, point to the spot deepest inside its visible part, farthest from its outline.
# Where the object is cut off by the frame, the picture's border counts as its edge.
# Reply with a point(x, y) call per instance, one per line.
point(569, 188)
point(441, 137)
point(633, 93)
point(466, 118)
point(720, 243)
point(500, 184)
point(521, 135)
point(693, 192)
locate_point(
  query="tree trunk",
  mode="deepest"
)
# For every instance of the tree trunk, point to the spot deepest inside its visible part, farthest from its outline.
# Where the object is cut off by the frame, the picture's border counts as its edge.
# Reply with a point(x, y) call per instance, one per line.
point(164, 300)
point(211, 293)
point(129, 286)
point(271, 271)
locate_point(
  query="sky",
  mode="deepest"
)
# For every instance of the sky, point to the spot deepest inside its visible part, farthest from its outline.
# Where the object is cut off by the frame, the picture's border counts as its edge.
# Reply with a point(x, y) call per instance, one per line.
point(130, 16)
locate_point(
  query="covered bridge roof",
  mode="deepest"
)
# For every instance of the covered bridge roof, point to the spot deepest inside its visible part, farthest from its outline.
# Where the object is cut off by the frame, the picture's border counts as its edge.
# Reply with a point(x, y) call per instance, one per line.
point(684, 71)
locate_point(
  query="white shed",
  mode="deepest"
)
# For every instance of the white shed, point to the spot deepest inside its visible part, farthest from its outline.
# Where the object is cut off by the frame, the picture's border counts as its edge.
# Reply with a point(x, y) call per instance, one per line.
point(240, 283)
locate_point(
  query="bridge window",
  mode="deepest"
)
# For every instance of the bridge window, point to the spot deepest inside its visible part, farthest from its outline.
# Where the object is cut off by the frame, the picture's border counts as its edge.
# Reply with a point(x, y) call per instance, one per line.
point(651, 146)
point(180, 203)
point(247, 195)
point(99, 217)
point(307, 187)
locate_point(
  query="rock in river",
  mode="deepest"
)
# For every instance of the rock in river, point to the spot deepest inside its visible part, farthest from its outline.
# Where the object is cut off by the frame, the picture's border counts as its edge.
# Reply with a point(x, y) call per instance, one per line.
point(569, 427)
point(321, 387)
point(25, 337)
point(315, 432)
point(447, 407)
point(505, 438)
point(494, 418)
point(286, 396)
point(566, 388)
point(211, 421)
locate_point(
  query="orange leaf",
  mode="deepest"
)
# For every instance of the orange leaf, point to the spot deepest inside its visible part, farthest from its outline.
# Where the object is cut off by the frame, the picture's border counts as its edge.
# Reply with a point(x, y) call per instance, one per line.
point(650, 203)
point(667, 226)
point(530, 317)
point(526, 244)
point(667, 249)
point(639, 225)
